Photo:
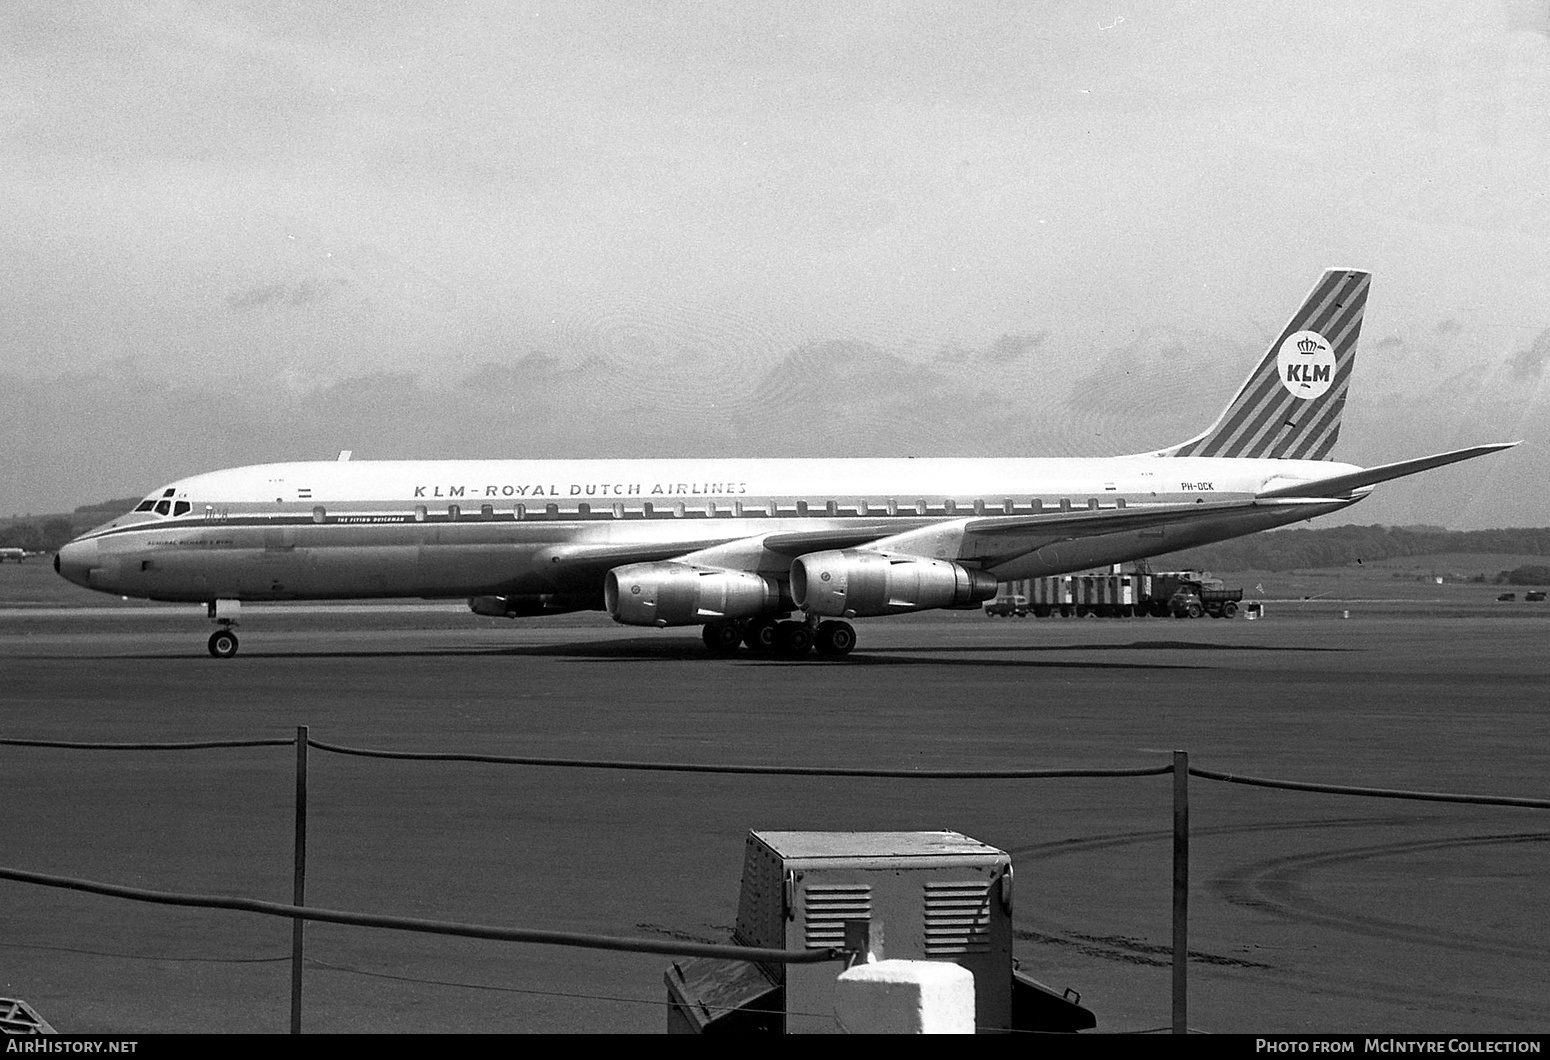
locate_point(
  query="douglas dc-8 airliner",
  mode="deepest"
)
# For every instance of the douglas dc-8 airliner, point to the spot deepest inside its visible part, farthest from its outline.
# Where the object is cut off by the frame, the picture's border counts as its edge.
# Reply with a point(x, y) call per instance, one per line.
point(740, 546)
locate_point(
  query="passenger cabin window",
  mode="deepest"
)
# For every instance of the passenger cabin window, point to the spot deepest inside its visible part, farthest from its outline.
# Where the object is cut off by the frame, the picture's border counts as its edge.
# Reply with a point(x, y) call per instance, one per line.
point(801, 507)
point(979, 507)
point(454, 513)
point(419, 513)
point(1092, 504)
point(519, 512)
point(1008, 506)
point(649, 509)
point(552, 511)
point(618, 510)
point(949, 506)
point(584, 509)
point(893, 506)
point(318, 514)
point(831, 508)
point(678, 509)
point(487, 512)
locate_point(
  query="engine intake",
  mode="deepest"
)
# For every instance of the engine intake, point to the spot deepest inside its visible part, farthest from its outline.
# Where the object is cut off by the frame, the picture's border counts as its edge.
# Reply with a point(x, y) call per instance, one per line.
point(857, 583)
point(681, 594)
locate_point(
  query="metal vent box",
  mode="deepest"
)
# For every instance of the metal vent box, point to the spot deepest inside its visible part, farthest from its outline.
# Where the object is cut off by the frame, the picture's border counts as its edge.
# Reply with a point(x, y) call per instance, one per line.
point(925, 895)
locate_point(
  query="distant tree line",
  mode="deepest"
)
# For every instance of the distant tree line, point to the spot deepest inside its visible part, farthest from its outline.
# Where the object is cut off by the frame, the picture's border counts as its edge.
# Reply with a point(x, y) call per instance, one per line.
point(44, 536)
point(1528, 574)
point(1340, 546)
point(46, 533)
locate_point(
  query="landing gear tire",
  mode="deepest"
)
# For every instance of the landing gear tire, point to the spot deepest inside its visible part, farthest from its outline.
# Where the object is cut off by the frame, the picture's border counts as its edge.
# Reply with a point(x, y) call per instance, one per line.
point(793, 639)
point(223, 644)
point(835, 639)
point(760, 636)
point(722, 638)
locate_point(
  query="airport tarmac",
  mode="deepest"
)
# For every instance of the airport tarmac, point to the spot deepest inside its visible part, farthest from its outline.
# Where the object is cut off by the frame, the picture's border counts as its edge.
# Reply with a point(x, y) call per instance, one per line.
point(1309, 912)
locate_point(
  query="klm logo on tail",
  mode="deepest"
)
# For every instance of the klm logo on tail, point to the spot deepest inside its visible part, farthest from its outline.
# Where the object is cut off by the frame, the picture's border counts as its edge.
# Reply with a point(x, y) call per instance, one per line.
point(1307, 365)
point(1290, 407)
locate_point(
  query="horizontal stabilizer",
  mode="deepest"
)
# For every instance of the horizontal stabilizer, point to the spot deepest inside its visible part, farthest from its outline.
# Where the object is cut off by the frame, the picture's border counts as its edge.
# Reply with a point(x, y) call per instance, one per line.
point(1344, 485)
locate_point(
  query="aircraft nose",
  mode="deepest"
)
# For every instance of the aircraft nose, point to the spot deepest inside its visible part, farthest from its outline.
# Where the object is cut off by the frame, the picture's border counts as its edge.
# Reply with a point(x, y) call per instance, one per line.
point(74, 562)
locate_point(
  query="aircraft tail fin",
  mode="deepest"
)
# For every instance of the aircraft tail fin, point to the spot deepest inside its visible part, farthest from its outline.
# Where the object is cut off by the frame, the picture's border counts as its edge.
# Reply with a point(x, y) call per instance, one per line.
point(1291, 404)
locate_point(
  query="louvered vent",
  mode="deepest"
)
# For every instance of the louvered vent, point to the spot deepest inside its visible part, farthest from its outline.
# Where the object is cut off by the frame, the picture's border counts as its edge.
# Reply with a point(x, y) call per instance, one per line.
point(957, 917)
point(826, 907)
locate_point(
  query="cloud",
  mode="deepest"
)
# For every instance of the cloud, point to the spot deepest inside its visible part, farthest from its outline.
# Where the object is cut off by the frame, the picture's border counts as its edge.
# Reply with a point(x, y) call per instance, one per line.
point(1530, 361)
point(1005, 350)
point(763, 229)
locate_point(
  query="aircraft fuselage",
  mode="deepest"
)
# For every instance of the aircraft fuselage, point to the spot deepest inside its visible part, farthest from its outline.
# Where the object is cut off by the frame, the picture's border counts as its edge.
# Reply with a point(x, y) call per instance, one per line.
point(338, 530)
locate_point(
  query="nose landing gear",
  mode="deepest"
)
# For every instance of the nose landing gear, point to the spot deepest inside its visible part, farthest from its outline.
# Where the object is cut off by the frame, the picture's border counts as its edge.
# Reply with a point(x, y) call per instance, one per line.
point(224, 613)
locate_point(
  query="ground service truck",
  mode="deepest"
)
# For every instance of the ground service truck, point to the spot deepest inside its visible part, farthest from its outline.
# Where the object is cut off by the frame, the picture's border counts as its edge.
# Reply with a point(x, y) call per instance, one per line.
point(1181, 594)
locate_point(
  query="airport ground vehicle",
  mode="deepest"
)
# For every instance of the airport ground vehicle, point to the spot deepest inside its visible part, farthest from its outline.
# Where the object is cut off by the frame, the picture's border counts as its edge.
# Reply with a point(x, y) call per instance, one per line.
point(1181, 594)
point(1008, 605)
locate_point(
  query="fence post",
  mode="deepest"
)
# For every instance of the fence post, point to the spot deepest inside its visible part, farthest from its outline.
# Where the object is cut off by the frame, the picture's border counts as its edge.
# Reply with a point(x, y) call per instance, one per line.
point(299, 884)
point(1181, 892)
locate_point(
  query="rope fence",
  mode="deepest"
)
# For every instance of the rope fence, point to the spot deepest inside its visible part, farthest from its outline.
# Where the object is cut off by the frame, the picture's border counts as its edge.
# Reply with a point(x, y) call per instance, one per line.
point(300, 913)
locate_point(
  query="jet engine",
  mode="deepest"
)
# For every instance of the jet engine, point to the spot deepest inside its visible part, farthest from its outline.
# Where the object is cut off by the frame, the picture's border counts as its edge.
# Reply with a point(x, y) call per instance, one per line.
point(681, 594)
point(856, 583)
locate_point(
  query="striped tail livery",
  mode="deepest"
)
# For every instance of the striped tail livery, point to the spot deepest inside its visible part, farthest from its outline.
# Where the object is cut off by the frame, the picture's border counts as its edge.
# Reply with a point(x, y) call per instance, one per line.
point(1289, 409)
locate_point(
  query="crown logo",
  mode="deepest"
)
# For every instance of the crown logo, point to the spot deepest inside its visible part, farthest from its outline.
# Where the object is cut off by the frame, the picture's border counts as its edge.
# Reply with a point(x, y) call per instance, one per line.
point(1308, 345)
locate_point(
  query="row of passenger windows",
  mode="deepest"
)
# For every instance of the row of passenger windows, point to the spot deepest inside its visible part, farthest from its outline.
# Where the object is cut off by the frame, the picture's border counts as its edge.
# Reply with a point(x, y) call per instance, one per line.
point(738, 509)
point(709, 509)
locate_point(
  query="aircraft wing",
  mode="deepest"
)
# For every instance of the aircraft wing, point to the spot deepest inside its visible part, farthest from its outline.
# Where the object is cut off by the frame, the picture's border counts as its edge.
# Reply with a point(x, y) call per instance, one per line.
point(582, 559)
point(996, 539)
point(985, 539)
point(1085, 522)
point(1345, 485)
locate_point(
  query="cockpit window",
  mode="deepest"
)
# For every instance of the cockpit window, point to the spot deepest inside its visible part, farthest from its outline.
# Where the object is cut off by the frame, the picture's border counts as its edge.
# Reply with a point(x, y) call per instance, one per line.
point(169, 491)
point(145, 506)
point(181, 508)
point(163, 507)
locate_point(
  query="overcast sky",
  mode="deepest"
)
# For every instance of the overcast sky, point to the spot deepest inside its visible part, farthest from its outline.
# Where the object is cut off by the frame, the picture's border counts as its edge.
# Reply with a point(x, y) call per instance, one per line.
point(236, 233)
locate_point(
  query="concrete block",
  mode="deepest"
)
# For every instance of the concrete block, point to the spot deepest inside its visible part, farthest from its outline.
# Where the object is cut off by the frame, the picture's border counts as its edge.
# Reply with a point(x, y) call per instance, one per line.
point(905, 997)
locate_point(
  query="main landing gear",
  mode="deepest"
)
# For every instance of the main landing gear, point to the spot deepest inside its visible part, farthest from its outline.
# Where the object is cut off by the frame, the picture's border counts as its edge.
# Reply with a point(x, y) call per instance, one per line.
point(224, 613)
point(786, 639)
